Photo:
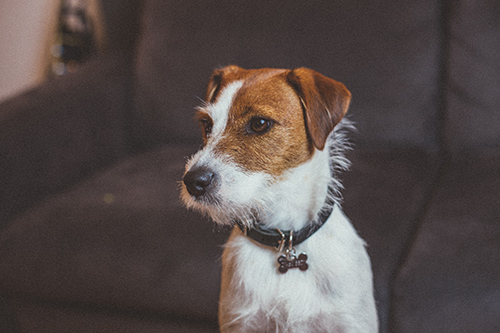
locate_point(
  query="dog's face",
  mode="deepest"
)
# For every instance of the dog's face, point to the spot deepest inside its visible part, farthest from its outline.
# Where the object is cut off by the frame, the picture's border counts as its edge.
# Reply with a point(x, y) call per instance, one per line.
point(261, 130)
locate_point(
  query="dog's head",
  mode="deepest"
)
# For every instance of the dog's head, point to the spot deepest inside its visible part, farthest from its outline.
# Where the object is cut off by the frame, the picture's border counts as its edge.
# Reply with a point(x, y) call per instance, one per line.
point(264, 133)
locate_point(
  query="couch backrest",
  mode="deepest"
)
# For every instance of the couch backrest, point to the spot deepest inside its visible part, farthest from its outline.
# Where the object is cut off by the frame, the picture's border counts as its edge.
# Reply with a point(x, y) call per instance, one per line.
point(473, 76)
point(386, 52)
point(122, 23)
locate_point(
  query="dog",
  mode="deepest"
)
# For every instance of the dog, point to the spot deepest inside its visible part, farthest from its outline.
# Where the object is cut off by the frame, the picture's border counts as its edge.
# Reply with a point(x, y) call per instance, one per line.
point(274, 143)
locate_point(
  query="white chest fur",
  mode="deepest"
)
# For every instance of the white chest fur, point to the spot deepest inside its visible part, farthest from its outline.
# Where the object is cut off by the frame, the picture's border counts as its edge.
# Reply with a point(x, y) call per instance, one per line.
point(334, 295)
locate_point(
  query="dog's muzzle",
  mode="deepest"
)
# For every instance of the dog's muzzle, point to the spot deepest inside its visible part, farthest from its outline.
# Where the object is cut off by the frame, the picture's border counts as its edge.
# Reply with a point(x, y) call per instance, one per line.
point(199, 181)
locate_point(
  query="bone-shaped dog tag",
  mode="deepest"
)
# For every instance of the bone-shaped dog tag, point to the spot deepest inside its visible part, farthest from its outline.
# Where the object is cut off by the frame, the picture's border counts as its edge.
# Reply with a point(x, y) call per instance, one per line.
point(291, 261)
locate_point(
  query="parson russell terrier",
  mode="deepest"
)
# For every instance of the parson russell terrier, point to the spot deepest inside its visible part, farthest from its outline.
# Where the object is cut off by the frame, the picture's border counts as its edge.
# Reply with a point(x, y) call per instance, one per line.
point(273, 145)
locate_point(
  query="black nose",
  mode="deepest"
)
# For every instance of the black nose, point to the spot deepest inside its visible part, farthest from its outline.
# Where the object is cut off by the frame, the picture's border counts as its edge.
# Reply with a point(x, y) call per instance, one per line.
point(198, 181)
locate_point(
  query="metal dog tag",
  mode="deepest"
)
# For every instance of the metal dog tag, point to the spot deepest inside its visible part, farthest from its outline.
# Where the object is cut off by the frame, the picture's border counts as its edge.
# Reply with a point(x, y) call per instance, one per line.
point(290, 260)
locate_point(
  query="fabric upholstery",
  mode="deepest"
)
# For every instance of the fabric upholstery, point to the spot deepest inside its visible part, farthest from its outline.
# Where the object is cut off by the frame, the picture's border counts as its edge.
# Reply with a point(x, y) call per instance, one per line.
point(75, 125)
point(121, 23)
point(383, 195)
point(47, 318)
point(474, 70)
point(123, 240)
point(451, 277)
point(120, 239)
point(387, 54)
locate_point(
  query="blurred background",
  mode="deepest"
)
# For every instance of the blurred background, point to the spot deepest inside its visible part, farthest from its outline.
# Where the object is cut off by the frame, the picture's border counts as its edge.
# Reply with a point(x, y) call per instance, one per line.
point(96, 123)
point(45, 38)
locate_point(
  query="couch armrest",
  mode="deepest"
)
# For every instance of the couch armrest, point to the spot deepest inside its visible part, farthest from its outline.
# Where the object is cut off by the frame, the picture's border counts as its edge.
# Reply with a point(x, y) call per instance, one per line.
point(61, 131)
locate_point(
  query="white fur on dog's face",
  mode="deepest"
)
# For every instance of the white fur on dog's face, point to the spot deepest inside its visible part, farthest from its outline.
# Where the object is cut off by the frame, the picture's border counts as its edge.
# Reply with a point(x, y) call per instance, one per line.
point(235, 191)
point(270, 177)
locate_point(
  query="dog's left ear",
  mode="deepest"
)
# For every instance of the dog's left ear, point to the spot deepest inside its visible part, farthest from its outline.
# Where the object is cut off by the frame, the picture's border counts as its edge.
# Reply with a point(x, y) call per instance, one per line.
point(217, 80)
point(325, 102)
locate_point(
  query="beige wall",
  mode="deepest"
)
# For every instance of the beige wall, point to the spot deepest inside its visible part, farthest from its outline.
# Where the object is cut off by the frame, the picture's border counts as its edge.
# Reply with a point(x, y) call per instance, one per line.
point(24, 28)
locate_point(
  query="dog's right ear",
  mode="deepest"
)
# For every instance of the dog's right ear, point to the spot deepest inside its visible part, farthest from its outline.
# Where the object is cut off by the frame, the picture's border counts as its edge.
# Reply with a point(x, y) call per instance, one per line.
point(325, 102)
point(217, 81)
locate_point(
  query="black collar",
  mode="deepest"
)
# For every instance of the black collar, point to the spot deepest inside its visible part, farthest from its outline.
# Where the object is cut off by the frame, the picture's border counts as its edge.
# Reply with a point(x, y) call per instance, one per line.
point(280, 239)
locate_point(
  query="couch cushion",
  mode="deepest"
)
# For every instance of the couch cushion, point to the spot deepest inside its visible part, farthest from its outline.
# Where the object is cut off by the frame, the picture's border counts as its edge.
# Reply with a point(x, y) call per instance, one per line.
point(120, 239)
point(46, 318)
point(122, 23)
point(61, 131)
point(473, 96)
point(450, 282)
point(384, 195)
point(386, 52)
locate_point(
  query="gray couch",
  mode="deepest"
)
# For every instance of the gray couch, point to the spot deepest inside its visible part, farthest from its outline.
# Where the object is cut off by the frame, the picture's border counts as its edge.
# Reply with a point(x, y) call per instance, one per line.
point(94, 238)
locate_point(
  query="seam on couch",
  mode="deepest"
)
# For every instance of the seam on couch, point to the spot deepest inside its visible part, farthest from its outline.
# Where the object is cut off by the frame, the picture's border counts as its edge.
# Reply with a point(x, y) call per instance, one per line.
point(444, 155)
point(445, 14)
point(131, 143)
point(423, 208)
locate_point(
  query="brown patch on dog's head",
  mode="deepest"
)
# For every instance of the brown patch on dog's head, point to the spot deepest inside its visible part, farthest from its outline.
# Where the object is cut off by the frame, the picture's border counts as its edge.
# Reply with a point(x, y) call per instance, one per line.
point(278, 116)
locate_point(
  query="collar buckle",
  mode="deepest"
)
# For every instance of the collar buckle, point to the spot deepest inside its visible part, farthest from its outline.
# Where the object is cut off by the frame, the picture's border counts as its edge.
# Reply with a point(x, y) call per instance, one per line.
point(281, 242)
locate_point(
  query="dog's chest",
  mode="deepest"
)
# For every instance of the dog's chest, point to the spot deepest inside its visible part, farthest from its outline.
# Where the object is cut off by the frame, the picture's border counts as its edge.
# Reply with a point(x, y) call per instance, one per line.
point(254, 290)
point(261, 296)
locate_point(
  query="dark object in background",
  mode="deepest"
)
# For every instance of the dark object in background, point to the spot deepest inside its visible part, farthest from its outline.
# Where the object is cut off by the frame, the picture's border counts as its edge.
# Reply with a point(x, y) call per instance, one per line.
point(75, 40)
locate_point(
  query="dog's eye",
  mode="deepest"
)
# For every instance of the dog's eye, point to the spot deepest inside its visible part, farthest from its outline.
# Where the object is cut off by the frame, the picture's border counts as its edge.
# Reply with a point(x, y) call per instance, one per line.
point(259, 125)
point(206, 125)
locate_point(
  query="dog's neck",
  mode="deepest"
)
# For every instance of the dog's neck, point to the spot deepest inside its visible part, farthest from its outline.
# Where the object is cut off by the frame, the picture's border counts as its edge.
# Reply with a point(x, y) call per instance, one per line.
point(301, 202)
point(281, 239)
point(300, 195)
